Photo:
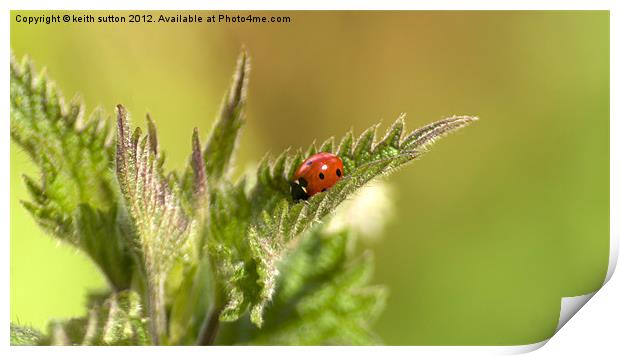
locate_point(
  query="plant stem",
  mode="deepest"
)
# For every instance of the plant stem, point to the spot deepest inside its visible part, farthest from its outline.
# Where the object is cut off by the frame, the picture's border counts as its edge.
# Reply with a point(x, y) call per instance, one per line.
point(209, 328)
point(156, 310)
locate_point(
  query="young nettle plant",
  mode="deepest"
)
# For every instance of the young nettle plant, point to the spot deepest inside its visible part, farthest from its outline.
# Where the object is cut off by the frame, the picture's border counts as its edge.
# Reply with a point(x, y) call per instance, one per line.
point(191, 257)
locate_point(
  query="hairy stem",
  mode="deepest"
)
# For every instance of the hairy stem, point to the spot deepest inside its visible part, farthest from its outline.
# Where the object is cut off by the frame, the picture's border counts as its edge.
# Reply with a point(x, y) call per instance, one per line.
point(157, 310)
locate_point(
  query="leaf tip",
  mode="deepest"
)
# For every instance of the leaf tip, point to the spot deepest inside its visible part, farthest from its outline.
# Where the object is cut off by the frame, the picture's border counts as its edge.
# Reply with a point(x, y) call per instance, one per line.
point(121, 118)
point(152, 133)
point(198, 167)
point(240, 80)
point(120, 109)
point(122, 130)
point(195, 140)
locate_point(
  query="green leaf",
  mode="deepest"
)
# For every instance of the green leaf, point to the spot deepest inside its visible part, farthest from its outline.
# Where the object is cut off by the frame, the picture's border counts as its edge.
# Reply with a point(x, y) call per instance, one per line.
point(24, 336)
point(199, 174)
point(197, 196)
point(101, 234)
point(277, 220)
point(161, 225)
point(76, 189)
point(218, 152)
point(322, 298)
point(221, 209)
point(229, 252)
point(119, 320)
point(193, 299)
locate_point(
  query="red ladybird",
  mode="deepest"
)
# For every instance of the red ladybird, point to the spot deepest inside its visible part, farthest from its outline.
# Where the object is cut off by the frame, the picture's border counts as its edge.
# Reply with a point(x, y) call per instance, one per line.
point(316, 174)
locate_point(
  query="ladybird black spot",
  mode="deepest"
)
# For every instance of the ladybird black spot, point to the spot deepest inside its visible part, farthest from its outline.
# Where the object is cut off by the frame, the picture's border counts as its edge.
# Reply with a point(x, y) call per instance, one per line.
point(324, 189)
point(321, 175)
point(309, 163)
point(338, 173)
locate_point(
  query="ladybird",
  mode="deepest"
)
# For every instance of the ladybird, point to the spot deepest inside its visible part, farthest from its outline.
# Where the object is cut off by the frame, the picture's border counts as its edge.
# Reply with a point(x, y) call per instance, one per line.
point(316, 174)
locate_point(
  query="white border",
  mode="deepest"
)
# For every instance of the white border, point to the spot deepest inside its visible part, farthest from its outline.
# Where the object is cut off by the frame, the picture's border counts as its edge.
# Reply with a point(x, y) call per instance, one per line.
point(608, 300)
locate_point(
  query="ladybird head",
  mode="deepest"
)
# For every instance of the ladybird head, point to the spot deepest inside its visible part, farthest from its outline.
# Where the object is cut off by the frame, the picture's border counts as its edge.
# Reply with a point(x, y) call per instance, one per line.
point(299, 189)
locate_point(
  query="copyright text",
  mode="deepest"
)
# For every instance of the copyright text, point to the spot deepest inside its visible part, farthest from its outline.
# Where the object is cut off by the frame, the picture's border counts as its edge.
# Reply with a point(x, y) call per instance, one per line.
point(149, 18)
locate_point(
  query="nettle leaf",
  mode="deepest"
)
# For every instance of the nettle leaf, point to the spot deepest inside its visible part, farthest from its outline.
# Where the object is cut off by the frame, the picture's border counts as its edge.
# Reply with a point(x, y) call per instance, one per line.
point(25, 336)
point(192, 301)
point(229, 251)
point(161, 225)
point(277, 219)
point(218, 152)
point(322, 298)
point(199, 175)
point(76, 189)
point(119, 320)
point(223, 207)
point(193, 295)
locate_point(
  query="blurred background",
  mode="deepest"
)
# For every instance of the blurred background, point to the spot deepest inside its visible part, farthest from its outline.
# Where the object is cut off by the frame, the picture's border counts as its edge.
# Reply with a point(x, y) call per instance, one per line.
point(490, 229)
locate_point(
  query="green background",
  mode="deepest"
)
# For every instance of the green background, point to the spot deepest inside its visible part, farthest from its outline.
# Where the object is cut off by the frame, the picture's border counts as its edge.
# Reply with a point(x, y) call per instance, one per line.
point(493, 227)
